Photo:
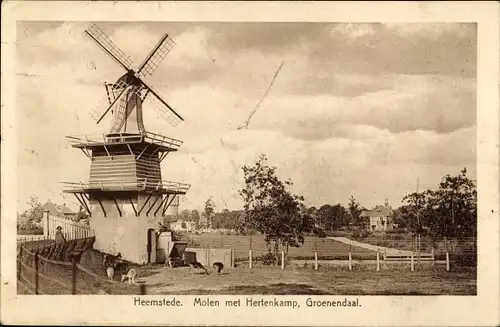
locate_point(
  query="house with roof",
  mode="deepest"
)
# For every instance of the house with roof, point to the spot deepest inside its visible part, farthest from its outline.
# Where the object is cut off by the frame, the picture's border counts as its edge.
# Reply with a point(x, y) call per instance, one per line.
point(380, 218)
point(59, 210)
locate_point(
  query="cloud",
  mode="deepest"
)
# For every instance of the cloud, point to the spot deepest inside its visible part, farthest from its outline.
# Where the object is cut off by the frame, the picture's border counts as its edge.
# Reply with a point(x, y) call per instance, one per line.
point(432, 103)
point(433, 30)
point(354, 31)
point(358, 109)
point(391, 50)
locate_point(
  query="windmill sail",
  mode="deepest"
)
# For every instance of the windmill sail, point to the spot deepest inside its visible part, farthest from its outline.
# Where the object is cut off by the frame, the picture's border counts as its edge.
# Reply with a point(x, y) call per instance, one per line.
point(164, 110)
point(156, 56)
point(98, 112)
point(105, 43)
point(128, 115)
point(129, 92)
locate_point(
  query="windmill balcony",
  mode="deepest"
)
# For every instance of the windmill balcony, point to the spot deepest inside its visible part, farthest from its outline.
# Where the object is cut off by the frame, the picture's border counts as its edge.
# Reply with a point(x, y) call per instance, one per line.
point(86, 141)
point(165, 187)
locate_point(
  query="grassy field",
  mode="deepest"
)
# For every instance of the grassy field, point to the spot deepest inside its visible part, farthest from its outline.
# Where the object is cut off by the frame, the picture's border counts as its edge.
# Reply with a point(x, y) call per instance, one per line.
point(325, 281)
point(393, 279)
point(241, 244)
point(297, 278)
point(293, 280)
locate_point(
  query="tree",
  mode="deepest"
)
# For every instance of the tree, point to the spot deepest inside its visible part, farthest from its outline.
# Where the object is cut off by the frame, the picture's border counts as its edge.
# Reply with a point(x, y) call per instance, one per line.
point(450, 211)
point(332, 217)
point(358, 223)
point(195, 215)
point(208, 211)
point(416, 202)
point(34, 214)
point(272, 209)
point(185, 215)
point(400, 216)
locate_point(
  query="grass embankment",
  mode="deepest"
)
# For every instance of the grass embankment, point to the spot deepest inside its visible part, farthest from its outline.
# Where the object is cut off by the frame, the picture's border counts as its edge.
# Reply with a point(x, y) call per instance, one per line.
point(327, 249)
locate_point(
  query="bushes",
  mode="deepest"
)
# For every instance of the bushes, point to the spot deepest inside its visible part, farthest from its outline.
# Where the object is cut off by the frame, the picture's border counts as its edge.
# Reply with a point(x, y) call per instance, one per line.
point(338, 233)
point(360, 234)
point(338, 257)
point(383, 243)
point(193, 244)
point(396, 237)
point(468, 259)
point(267, 259)
point(33, 231)
point(397, 231)
point(29, 228)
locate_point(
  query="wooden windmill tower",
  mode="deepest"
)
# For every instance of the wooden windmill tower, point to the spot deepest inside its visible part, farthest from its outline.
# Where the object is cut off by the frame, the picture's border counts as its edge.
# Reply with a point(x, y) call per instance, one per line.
point(126, 196)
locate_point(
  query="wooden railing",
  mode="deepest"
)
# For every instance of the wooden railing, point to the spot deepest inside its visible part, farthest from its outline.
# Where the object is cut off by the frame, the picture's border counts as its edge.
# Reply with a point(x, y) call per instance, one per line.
point(162, 140)
point(132, 184)
point(70, 229)
point(88, 140)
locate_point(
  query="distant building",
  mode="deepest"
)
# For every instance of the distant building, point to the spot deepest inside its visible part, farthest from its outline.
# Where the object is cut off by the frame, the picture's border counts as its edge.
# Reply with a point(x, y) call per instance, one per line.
point(183, 225)
point(380, 218)
point(59, 210)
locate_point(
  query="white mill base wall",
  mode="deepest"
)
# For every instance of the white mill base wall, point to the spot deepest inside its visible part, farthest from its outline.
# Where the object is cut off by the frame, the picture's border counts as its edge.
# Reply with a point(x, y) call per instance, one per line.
point(127, 234)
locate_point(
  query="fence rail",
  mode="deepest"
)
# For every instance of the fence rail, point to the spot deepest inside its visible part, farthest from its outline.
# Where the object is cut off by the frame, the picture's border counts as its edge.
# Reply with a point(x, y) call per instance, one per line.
point(70, 229)
point(128, 184)
point(330, 248)
point(104, 139)
point(39, 275)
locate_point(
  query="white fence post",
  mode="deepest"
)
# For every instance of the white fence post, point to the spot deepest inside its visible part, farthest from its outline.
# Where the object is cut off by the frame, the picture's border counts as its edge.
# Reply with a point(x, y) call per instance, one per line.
point(250, 259)
point(46, 224)
point(282, 260)
point(315, 260)
point(447, 261)
point(350, 261)
point(378, 261)
point(412, 263)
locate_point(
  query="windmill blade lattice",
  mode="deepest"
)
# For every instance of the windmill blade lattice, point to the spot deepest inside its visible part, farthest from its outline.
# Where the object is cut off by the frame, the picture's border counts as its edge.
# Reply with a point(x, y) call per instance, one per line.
point(105, 104)
point(163, 110)
point(154, 59)
point(109, 46)
point(122, 110)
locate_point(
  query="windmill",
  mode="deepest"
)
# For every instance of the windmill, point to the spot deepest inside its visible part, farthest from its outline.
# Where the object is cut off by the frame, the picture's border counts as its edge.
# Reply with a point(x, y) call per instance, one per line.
point(126, 196)
point(130, 91)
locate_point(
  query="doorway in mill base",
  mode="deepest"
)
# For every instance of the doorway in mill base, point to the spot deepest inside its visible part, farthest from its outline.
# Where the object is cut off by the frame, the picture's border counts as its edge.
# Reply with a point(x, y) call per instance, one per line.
point(151, 245)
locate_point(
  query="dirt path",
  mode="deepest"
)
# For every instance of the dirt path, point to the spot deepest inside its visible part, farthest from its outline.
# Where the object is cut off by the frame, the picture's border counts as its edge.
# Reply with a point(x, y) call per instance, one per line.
point(390, 251)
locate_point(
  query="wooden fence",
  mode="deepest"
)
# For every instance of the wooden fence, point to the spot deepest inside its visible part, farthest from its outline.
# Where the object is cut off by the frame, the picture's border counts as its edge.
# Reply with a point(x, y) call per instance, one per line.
point(37, 274)
point(71, 229)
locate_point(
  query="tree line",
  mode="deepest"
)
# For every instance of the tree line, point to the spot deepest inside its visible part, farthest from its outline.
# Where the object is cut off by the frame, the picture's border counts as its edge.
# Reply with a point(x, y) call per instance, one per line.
point(448, 211)
point(272, 209)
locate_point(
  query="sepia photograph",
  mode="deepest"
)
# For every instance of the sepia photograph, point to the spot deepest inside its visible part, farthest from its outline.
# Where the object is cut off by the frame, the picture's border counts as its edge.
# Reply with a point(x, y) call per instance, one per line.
point(306, 152)
point(256, 160)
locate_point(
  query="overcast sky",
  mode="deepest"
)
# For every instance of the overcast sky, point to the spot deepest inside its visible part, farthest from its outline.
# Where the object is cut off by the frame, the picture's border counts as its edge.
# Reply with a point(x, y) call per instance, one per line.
point(357, 109)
